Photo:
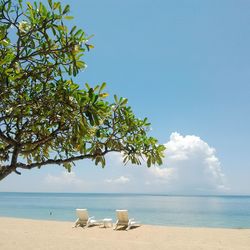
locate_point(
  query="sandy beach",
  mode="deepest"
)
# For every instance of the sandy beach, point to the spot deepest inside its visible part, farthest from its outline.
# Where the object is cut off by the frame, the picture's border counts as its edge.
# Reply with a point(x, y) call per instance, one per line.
point(24, 234)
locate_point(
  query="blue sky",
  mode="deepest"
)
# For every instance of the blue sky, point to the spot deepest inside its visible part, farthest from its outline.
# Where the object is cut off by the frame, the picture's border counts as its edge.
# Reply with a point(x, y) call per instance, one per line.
point(186, 66)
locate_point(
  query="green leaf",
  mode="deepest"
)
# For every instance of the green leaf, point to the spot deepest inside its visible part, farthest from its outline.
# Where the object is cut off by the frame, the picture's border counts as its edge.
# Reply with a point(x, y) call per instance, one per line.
point(78, 32)
point(62, 27)
point(72, 30)
point(96, 119)
point(102, 87)
point(103, 162)
point(68, 17)
point(124, 101)
point(90, 117)
point(56, 5)
point(89, 46)
point(20, 3)
point(94, 99)
point(149, 162)
point(91, 93)
point(87, 86)
point(67, 165)
point(29, 5)
point(159, 161)
point(66, 9)
point(80, 64)
point(50, 3)
point(116, 98)
point(104, 95)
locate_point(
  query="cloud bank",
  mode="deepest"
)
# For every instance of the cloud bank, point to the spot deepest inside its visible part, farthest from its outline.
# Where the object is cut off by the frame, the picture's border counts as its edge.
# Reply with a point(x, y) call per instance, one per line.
point(190, 166)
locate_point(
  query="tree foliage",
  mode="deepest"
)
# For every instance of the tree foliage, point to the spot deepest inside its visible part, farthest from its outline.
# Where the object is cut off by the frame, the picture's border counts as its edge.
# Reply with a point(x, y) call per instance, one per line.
point(45, 117)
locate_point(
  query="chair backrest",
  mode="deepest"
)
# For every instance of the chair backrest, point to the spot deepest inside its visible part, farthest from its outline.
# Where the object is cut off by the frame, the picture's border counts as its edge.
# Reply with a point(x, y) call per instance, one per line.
point(82, 214)
point(122, 215)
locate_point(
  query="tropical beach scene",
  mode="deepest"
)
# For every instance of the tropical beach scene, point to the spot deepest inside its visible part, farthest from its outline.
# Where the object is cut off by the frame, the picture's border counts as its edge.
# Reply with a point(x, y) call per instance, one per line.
point(124, 124)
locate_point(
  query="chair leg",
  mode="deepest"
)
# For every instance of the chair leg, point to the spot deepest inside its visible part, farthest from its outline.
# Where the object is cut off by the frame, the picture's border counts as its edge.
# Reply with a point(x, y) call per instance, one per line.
point(76, 223)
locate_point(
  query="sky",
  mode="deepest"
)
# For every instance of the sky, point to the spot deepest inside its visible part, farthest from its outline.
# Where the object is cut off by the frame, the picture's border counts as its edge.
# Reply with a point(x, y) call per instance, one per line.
point(185, 65)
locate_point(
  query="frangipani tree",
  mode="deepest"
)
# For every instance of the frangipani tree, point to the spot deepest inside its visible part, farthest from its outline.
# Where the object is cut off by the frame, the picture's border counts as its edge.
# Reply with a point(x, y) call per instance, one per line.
point(45, 117)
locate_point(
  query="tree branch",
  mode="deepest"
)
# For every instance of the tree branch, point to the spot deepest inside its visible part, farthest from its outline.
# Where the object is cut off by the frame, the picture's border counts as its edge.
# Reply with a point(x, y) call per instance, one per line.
point(62, 161)
point(6, 139)
point(38, 143)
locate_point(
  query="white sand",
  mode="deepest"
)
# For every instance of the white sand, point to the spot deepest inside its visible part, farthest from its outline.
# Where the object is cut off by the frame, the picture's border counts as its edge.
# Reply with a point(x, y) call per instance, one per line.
point(23, 234)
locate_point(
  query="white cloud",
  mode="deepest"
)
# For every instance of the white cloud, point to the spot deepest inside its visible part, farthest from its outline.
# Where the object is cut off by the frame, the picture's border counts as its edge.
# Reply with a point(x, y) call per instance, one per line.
point(163, 173)
point(190, 166)
point(64, 179)
point(119, 180)
point(114, 158)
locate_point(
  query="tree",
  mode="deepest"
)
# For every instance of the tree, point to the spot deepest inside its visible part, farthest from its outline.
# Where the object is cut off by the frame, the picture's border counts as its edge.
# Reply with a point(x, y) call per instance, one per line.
point(45, 117)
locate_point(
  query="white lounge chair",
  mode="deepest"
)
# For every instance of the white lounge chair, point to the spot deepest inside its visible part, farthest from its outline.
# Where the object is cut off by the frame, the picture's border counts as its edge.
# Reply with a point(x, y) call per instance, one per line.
point(83, 218)
point(123, 220)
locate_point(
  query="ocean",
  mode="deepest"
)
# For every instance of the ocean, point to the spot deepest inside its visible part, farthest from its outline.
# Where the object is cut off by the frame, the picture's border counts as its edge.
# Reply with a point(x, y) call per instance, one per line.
point(184, 211)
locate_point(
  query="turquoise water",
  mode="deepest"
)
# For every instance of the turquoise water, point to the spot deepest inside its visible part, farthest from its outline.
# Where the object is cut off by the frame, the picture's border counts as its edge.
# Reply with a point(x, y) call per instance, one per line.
point(194, 211)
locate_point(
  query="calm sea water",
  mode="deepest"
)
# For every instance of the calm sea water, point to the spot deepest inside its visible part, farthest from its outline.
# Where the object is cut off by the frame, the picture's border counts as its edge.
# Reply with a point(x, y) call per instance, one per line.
point(194, 211)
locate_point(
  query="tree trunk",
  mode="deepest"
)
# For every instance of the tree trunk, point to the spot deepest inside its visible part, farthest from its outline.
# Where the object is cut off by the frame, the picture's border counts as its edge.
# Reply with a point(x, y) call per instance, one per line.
point(4, 171)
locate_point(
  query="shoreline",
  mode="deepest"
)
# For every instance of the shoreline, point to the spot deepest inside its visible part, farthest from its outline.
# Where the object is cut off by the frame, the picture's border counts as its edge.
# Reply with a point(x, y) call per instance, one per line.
point(30, 234)
point(153, 225)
